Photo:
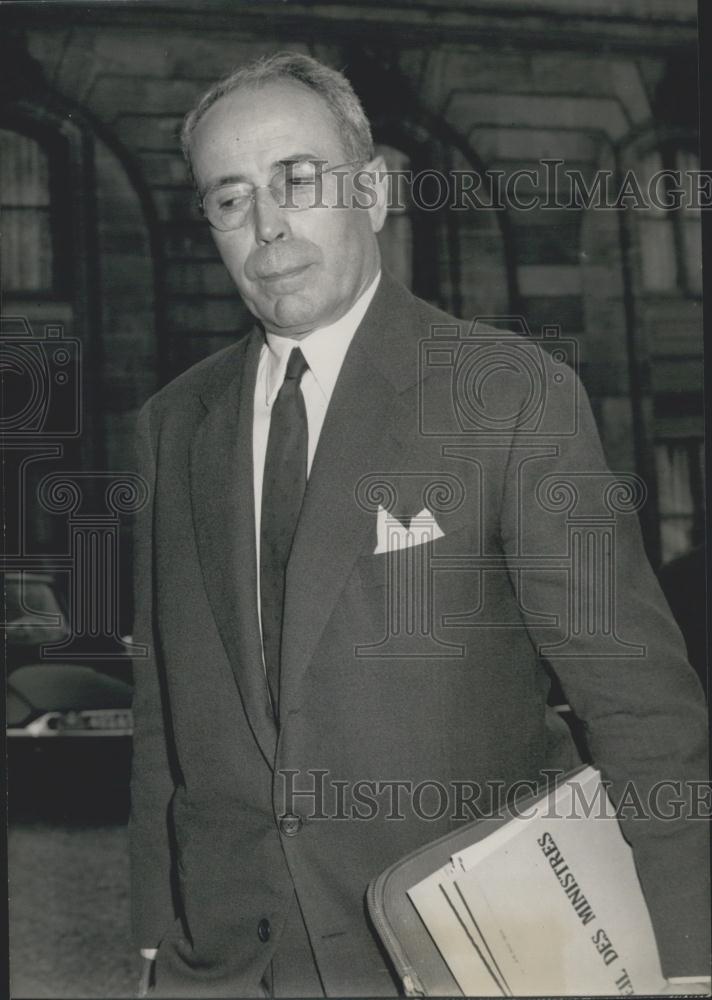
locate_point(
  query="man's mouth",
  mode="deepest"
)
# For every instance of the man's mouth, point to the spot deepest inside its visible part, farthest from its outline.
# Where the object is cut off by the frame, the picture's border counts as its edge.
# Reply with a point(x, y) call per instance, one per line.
point(285, 278)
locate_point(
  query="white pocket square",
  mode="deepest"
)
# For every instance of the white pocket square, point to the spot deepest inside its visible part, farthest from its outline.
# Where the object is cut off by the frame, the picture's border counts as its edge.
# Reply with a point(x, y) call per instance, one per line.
point(392, 536)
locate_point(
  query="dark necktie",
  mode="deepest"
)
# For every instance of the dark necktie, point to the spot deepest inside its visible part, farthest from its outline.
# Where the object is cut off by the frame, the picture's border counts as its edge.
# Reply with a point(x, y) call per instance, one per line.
point(283, 485)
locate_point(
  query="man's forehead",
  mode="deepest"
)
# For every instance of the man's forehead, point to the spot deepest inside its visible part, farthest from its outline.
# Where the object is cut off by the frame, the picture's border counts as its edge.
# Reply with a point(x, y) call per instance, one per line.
point(270, 119)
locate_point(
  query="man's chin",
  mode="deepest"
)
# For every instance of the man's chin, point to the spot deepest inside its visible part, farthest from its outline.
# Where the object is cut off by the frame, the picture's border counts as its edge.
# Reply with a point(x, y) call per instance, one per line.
point(291, 315)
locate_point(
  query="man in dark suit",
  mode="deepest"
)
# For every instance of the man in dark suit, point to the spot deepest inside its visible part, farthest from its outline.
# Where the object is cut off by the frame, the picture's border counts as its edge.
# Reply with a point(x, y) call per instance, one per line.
point(351, 569)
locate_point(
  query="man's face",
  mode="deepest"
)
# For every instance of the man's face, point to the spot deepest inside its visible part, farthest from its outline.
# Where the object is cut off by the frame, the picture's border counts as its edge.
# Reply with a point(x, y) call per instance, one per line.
point(296, 270)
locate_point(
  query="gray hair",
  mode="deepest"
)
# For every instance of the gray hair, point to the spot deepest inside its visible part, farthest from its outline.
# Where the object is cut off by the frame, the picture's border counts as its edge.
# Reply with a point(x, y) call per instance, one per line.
point(329, 84)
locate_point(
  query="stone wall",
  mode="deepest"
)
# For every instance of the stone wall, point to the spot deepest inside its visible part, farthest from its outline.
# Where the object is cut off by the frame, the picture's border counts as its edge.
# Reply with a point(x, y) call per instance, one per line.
point(476, 87)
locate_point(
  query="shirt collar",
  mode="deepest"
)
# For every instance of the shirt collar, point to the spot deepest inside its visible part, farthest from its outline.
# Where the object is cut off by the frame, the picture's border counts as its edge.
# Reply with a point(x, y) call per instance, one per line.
point(324, 348)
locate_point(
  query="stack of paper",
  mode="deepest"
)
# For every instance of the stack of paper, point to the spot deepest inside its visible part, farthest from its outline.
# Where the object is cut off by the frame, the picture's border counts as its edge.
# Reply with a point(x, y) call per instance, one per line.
point(549, 903)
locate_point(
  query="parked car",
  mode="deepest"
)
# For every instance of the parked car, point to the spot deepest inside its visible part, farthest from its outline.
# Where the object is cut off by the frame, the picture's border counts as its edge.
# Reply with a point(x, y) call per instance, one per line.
point(69, 723)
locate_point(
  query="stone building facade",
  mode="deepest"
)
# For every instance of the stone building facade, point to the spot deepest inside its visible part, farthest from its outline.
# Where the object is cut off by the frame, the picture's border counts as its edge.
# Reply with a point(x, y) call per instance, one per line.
point(102, 231)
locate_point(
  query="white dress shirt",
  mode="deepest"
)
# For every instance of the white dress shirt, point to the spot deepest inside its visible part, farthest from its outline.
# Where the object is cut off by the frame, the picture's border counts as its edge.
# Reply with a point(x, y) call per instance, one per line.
point(324, 350)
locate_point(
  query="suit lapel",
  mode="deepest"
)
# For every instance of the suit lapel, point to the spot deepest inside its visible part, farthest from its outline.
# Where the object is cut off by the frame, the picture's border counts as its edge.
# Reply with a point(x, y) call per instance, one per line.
point(223, 515)
point(359, 437)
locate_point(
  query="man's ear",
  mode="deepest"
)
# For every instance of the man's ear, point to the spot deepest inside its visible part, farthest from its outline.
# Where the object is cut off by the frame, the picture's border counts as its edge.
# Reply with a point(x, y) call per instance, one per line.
point(380, 184)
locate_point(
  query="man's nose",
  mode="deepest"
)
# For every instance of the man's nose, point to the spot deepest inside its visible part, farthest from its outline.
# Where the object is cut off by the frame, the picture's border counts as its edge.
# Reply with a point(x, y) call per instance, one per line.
point(269, 217)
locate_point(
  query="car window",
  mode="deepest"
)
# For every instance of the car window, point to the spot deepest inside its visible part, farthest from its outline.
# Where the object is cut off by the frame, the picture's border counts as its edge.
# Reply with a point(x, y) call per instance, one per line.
point(31, 612)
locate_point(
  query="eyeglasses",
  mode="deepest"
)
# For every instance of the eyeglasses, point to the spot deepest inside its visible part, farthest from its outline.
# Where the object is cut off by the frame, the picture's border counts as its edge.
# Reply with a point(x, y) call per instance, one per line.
point(295, 186)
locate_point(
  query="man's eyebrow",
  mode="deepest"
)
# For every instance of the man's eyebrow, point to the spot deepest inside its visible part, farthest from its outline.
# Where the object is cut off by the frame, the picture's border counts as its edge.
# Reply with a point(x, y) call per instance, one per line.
point(223, 181)
point(298, 157)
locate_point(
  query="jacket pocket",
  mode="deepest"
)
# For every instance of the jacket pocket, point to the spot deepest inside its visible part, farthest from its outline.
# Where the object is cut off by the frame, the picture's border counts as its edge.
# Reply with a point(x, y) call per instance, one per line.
point(375, 570)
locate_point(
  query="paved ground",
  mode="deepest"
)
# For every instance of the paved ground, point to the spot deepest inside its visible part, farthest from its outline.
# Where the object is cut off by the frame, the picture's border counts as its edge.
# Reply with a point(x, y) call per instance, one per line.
point(69, 919)
point(68, 880)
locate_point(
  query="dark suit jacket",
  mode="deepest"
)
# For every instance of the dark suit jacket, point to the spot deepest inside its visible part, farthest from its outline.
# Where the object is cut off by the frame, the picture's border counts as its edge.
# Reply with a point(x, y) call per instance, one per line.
point(210, 860)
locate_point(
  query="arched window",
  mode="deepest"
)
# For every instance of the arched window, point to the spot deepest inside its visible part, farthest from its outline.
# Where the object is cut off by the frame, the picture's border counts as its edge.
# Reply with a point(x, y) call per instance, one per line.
point(670, 239)
point(670, 284)
point(680, 473)
point(35, 246)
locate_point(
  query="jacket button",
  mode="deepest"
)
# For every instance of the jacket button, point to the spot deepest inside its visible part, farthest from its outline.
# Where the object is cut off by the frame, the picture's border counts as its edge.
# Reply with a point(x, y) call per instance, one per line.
point(290, 825)
point(263, 930)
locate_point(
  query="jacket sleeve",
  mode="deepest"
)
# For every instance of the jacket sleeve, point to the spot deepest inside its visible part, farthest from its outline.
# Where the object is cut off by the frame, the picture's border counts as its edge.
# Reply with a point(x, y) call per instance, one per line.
point(620, 660)
point(152, 773)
